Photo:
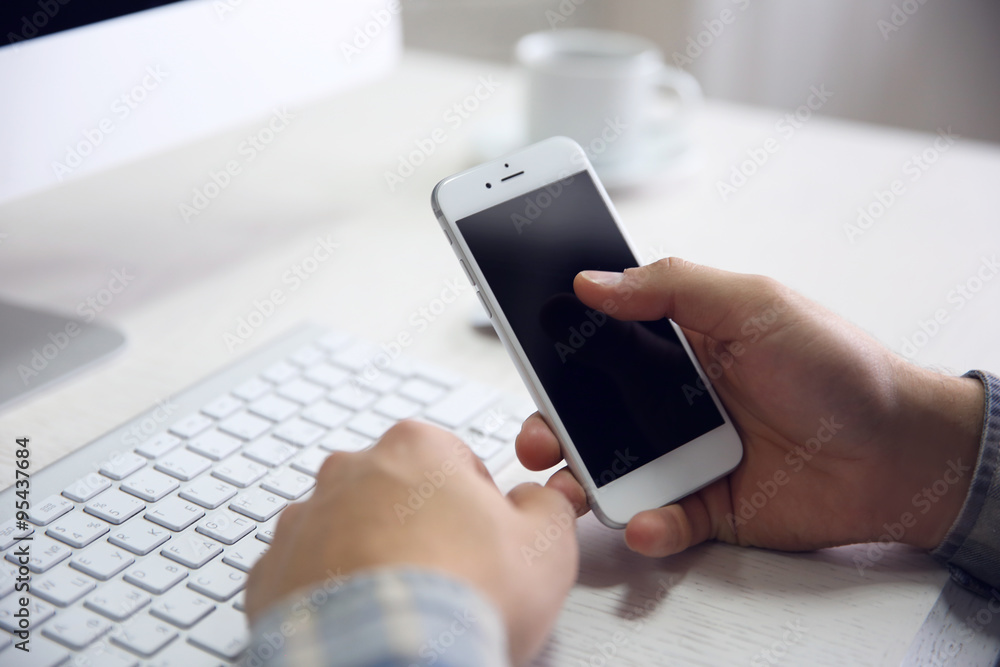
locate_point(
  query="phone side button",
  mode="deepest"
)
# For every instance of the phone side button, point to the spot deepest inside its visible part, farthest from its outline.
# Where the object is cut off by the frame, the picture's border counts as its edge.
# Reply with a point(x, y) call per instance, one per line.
point(468, 274)
point(489, 312)
point(448, 236)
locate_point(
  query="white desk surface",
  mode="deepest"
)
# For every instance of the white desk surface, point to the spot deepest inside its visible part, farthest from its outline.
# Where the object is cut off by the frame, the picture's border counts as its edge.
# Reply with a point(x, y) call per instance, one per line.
point(324, 175)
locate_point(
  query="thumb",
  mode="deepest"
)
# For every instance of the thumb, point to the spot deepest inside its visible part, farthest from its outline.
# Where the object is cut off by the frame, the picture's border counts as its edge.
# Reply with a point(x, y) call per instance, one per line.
point(711, 301)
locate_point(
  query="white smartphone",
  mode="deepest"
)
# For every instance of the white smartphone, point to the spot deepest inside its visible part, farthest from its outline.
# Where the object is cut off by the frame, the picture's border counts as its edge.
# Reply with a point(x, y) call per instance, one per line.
point(638, 421)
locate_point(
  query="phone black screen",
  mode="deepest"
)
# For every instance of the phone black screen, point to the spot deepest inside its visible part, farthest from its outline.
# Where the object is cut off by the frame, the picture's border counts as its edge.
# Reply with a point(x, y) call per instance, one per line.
point(626, 391)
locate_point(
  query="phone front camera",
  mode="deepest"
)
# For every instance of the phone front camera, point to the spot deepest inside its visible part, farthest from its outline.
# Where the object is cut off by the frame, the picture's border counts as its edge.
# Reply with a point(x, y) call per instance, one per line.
point(489, 185)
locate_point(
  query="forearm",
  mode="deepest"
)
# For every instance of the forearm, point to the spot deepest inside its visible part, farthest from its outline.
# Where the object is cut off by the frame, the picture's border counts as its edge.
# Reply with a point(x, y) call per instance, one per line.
point(386, 617)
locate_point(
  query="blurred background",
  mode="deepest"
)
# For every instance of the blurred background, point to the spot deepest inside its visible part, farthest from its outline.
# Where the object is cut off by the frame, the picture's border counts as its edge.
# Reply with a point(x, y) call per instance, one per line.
point(918, 64)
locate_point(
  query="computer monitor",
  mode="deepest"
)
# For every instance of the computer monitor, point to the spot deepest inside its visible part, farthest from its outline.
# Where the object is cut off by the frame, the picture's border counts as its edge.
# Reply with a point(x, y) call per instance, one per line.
point(91, 86)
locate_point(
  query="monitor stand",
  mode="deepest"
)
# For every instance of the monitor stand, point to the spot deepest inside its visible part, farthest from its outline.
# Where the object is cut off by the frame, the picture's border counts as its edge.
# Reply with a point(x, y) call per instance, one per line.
point(38, 349)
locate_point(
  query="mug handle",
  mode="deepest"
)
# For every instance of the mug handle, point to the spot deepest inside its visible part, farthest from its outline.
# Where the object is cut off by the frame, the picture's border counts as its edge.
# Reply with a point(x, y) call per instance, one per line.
point(684, 85)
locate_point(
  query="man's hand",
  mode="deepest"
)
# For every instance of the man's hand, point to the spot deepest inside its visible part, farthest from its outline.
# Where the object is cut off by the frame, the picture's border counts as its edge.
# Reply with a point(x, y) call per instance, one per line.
point(842, 439)
point(360, 517)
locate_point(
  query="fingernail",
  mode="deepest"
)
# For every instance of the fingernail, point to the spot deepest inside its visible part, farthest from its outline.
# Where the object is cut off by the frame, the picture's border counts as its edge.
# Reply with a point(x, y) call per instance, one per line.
point(603, 277)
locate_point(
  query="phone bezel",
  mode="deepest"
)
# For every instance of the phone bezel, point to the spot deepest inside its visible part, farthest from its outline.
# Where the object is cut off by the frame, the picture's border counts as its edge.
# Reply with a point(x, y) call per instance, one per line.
point(665, 479)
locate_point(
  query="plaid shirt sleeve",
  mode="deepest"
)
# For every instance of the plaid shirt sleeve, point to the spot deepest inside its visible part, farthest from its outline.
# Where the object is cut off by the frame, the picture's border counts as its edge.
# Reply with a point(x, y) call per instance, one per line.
point(971, 549)
point(381, 618)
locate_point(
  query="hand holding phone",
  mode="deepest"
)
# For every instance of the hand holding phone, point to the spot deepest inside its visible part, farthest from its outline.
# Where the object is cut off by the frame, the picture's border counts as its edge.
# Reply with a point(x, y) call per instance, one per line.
point(842, 438)
point(637, 418)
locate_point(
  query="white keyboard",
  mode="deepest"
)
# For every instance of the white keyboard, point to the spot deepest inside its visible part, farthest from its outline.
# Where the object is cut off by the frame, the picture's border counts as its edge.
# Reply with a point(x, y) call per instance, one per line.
point(142, 540)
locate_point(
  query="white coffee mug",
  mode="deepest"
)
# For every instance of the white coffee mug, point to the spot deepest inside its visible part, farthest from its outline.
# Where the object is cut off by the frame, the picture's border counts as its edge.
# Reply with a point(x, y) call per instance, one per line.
point(599, 87)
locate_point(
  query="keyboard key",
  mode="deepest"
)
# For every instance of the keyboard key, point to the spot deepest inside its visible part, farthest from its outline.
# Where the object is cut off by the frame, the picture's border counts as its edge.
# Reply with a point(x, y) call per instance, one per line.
point(114, 506)
point(252, 389)
point(86, 488)
point(144, 635)
point(7, 581)
point(122, 465)
point(44, 653)
point(139, 537)
point(38, 612)
point(156, 575)
point(183, 464)
point(326, 375)
point(183, 654)
point(191, 425)
point(300, 433)
point(280, 372)
point(9, 533)
point(345, 441)
point(357, 355)
point(370, 424)
point(288, 484)
point(481, 445)
point(266, 532)
point(192, 550)
point(270, 451)
point(182, 607)
point(422, 391)
point(223, 633)
point(333, 341)
point(218, 581)
point(461, 405)
point(351, 396)
point(158, 445)
point(274, 408)
point(310, 461)
point(106, 656)
point(62, 586)
point(208, 492)
point(380, 383)
point(149, 485)
point(117, 600)
point(226, 527)
point(307, 356)
point(397, 407)
point(76, 628)
point(239, 602)
point(175, 514)
point(240, 471)
point(102, 561)
point(48, 510)
point(77, 529)
point(301, 391)
point(244, 425)
point(245, 554)
point(223, 406)
point(327, 414)
point(258, 505)
point(437, 375)
point(45, 553)
point(214, 444)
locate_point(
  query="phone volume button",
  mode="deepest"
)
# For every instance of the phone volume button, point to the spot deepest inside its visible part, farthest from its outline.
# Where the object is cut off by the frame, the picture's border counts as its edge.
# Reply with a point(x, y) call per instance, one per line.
point(448, 236)
point(468, 274)
point(486, 307)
